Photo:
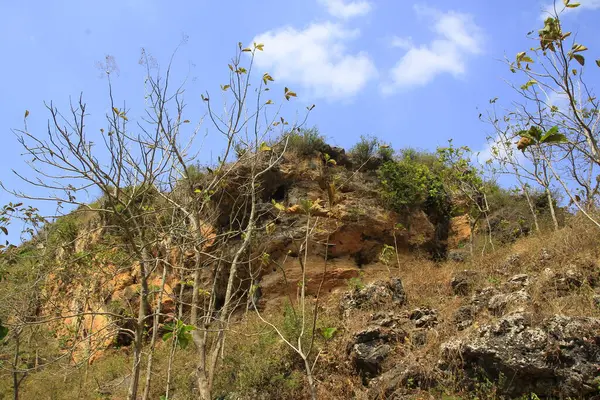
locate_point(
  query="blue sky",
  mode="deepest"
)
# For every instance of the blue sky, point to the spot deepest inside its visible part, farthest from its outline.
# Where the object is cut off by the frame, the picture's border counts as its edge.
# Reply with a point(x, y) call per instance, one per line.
point(410, 72)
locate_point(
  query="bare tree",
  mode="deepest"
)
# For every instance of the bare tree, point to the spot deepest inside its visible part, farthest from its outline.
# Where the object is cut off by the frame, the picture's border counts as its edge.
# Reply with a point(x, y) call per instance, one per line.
point(558, 117)
point(217, 224)
point(122, 166)
point(303, 342)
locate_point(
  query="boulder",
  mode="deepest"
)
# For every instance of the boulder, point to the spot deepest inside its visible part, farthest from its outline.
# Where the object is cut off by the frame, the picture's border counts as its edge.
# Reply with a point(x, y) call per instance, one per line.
point(462, 283)
point(406, 380)
point(374, 294)
point(424, 317)
point(370, 347)
point(556, 358)
point(458, 255)
point(464, 316)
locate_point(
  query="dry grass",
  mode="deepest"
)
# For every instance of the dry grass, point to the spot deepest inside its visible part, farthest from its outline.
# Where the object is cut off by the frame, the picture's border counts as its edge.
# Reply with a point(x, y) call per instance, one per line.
point(258, 365)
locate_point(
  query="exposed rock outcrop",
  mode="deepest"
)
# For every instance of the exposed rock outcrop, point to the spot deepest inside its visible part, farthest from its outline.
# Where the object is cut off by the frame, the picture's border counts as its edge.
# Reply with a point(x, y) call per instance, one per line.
point(558, 357)
point(372, 295)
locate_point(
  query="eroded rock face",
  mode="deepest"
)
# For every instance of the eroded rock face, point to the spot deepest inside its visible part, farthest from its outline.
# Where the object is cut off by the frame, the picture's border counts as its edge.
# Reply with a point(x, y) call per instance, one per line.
point(498, 300)
point(558, 357)
point(405, 380)
point(374, 294)
point(370, 346)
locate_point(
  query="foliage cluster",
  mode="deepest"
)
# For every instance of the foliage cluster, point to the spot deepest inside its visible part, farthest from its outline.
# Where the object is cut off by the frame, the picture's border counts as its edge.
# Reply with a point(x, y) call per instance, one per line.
point(305, 141)
point(368, 148)
point(410, 183)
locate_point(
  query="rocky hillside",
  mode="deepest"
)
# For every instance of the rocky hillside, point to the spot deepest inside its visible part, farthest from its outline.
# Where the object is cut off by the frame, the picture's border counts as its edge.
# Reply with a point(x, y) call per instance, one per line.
point(401, 308)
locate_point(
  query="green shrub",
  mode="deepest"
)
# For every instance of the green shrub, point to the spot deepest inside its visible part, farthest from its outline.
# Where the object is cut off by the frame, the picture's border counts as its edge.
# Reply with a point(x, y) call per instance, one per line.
point(421, 157)
point(385, 153)
point(306, 141)
point(368, 148)
point(63, 231)
point(406, 184)
point(356, 283)
point(260, 362)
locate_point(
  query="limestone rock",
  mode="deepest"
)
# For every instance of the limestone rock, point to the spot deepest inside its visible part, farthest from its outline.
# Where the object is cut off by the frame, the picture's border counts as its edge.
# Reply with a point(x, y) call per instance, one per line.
point(556, 358)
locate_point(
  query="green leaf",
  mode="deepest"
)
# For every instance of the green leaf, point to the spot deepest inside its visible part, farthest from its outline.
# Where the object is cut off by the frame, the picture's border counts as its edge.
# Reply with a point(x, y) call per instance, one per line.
point(265, 147)
point(277, 205)
point(535, 132)
point(259, 46)
point(269, 102)
point(550, 132)
point(3, 229)
point(26, 113)
point(529, 84)
point(289, 94)
point(598, 63)
point(572, 5)
point(578, 47)
point(266, 78)
point(523, 57)
point(328, 333)
point(225, 87)
point(247, 49)
point(579, 58)
point(3, 331)
point(555, 139)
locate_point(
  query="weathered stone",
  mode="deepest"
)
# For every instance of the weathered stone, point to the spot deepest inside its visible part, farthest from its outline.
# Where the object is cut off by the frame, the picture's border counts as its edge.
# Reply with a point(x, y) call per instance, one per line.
point(369, 356)
point(463, 318)
point(557, 358)
point(458, 256)
point(499, 303)
point(462, 283)
point(424, 317)
point(374, 294)
point(402, 381)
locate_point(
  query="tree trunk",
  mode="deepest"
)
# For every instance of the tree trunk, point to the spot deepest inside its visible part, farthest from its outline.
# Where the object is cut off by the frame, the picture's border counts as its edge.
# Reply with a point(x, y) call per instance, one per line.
point(204, 388)
point(154, 335)
point(139, 333)
point(472, 224)
point(531, 208)
point(311, 382)
point(15, 373)
point(551, 207)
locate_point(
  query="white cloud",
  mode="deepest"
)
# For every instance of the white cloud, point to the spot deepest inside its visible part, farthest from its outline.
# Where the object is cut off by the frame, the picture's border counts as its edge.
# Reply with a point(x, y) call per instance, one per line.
point(402, 42)
point(346, 9)
point(457, 38)
point(550, 9)
point(316, 59)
